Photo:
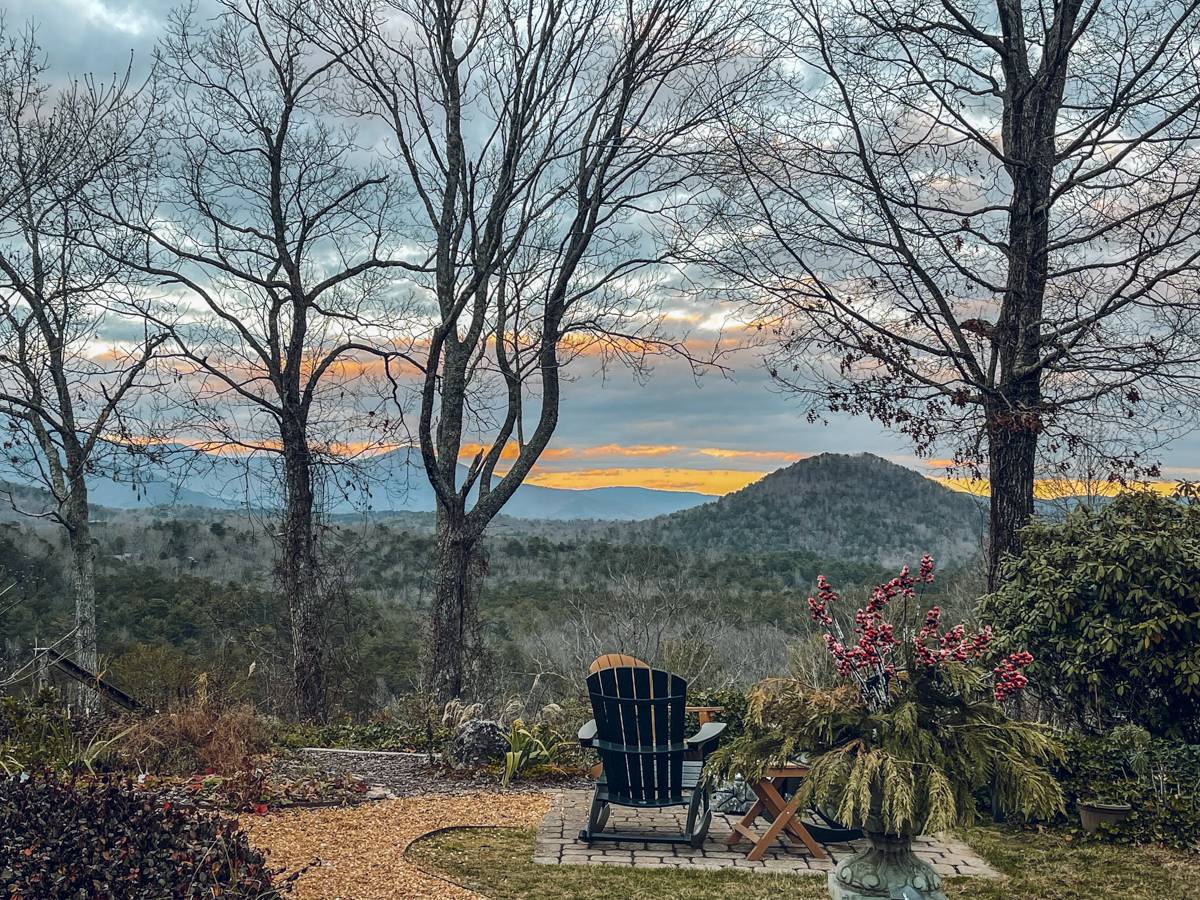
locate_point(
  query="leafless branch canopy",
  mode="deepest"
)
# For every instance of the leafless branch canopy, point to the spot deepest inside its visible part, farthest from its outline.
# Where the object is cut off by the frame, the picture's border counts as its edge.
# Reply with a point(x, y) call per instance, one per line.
point(277, 234)
point(962, 214)
point(75, 360)
point(543, 140)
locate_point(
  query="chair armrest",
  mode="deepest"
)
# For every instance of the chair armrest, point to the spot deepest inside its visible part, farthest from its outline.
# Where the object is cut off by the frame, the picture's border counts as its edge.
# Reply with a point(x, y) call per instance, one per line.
point(707, 738)
point(587, 733)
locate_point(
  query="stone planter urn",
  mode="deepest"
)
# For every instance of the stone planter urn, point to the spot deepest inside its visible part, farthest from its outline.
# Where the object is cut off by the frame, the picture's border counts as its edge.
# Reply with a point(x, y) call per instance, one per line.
point(886, 869)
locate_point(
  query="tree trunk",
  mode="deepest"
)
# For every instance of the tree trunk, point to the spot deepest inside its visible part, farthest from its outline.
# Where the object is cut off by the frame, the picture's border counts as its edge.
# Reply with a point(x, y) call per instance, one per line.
point(454, 643)
point(83, 587)
point(299, 579)
point(1014, 410)
point(1012, 458)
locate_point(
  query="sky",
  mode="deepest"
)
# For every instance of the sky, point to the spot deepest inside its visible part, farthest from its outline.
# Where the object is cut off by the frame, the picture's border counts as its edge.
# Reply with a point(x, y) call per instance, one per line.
point(710, 434)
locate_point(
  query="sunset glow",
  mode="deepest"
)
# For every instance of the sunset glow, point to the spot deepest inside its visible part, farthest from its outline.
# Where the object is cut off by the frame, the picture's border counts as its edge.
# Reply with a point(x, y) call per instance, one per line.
point(701, 481)
point(1058, 488)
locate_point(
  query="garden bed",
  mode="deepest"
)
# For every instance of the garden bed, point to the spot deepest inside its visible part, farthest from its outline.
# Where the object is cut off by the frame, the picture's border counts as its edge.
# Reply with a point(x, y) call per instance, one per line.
point(262, 789)
point(402, 774)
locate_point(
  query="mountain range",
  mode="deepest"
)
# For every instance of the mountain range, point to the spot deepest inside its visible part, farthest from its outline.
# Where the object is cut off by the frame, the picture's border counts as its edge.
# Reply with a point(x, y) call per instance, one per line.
point(860, 507)
point(387, 483)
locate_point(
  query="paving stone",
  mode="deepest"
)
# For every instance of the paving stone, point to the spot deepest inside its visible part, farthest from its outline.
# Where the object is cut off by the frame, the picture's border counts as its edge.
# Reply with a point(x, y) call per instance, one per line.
point(557, 844)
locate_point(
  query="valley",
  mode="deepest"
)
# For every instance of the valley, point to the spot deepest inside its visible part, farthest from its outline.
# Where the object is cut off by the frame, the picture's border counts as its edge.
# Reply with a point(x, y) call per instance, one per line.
point(185, 590)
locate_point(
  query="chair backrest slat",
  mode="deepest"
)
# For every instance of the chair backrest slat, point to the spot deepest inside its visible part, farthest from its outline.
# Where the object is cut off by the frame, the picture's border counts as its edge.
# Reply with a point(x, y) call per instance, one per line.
point(630, 731)
point(639, 716)
point(660, 682)
point(646, 731)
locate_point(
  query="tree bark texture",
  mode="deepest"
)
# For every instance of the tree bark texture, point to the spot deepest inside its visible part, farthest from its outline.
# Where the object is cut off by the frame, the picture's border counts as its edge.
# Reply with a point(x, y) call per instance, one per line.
point(454, 625)
point(83, 588)
point(299, 579)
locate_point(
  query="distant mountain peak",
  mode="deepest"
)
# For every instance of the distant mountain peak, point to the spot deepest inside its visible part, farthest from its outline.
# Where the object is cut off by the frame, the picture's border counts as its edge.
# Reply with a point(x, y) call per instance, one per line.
point(851, 506)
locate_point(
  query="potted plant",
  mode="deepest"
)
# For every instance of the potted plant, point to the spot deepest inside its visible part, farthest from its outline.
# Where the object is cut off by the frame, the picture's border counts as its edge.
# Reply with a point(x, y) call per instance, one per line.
point(1133, 765)
point(1094, 813)
point(913, 727)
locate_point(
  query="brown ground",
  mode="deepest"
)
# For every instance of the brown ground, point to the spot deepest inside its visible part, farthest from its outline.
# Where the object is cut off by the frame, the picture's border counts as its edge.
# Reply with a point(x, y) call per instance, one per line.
point(361, 849)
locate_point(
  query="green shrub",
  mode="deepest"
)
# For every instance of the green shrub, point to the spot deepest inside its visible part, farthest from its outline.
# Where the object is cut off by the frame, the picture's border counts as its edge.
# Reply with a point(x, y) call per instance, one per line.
point(734, 706)
point(1108, 604)
point(383, 732)
point(105, 839)
point(1158, 777)
point(38, 733)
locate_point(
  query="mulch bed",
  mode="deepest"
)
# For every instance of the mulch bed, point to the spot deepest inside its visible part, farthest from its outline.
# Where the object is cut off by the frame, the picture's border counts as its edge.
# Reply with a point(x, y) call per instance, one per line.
point(402, 774)
point(410, 774)
point(357, 853)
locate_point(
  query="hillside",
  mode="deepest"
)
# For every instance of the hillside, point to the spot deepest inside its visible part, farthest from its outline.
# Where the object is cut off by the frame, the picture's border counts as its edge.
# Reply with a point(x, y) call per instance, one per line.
point(847, 507)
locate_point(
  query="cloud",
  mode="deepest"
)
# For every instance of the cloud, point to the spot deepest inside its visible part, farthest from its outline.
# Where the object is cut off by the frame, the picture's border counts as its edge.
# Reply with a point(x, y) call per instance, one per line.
point(127, 18)
point(702, 481)
point(780, 456)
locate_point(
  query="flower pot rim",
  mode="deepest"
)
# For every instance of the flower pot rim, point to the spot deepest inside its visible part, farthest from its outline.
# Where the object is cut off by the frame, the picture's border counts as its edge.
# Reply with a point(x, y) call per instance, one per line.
point(1108, 805)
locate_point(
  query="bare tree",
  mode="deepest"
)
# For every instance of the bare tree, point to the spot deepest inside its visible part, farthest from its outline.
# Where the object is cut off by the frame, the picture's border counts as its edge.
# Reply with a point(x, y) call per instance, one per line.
point(977, 224)
point(75, 364)
point(280, 239)
point(543, 138)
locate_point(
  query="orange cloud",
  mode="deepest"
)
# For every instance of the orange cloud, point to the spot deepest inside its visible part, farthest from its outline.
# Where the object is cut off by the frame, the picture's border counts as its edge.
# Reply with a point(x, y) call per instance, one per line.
point(635, 450)
point(1059, 488)
point(468, 451)
point(641, 451)
point(234, 447)
point(777, 455)
point(702, 481)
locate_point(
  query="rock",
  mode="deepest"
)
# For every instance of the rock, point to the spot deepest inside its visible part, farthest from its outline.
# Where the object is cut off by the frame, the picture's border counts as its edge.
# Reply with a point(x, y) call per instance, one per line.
point(733, 797)
point(479, 742)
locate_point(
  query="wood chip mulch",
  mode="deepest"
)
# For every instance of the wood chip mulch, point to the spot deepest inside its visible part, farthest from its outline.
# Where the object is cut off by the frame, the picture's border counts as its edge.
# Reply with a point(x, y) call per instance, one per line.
point(361, 849)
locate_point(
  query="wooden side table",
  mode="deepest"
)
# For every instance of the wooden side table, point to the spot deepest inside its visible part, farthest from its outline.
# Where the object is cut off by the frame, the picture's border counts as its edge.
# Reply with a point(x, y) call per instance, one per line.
point(705, 714)
point(782, 814)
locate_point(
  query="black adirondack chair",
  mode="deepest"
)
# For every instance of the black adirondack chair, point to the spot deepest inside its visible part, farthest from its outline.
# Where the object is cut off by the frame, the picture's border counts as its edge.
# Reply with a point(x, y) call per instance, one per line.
point(639, 733)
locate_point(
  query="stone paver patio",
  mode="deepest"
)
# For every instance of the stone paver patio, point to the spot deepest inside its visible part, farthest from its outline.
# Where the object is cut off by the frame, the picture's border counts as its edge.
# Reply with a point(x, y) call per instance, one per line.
point(558, 843)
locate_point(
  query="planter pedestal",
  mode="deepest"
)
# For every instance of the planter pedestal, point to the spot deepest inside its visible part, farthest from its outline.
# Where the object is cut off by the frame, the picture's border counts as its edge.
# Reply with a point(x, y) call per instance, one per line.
point(883, 870)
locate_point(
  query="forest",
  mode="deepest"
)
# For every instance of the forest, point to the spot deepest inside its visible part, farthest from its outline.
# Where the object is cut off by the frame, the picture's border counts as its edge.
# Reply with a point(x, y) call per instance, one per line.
point(180, 594)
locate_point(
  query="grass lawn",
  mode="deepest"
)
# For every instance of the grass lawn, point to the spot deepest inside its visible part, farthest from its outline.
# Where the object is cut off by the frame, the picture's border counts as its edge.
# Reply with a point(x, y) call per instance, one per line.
point(496, 862)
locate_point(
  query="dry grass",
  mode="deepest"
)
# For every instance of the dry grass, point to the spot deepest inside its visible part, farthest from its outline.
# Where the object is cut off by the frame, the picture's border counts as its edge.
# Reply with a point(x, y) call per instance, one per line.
point(195, 739)
point(360, 851)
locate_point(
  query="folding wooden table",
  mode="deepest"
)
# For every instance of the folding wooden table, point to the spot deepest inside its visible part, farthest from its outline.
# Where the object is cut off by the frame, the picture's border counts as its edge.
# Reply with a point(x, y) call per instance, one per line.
point(782, 814)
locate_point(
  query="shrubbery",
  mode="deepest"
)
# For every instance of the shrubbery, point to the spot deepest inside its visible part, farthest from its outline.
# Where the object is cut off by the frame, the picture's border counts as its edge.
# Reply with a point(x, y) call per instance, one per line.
point(382, 732)
point(38, 733)
point(1107, 602)
point(1158, 777)
point(61, 838)
point(734, 707)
